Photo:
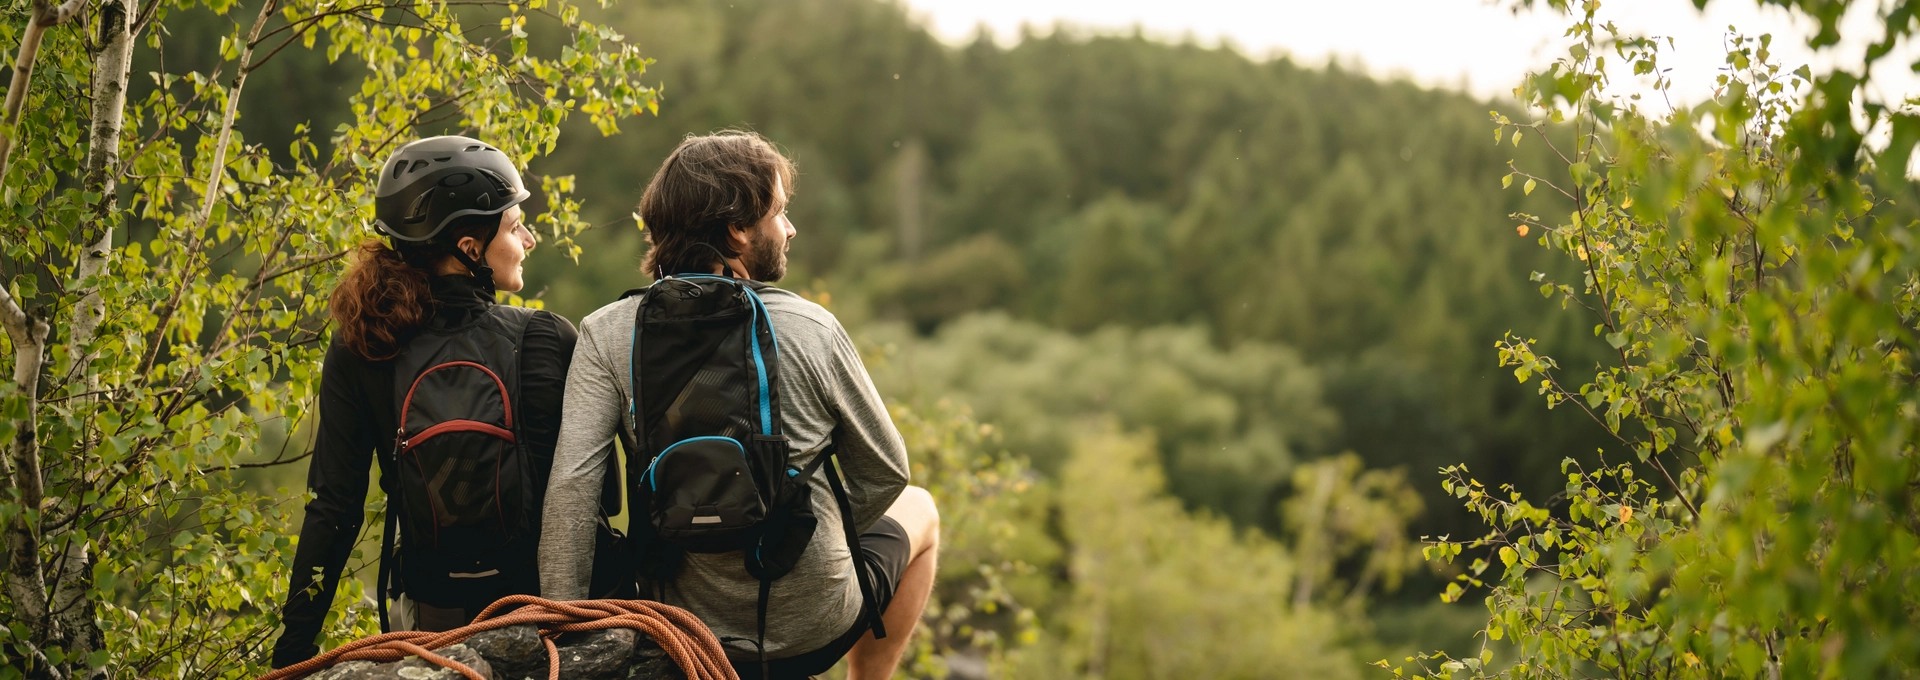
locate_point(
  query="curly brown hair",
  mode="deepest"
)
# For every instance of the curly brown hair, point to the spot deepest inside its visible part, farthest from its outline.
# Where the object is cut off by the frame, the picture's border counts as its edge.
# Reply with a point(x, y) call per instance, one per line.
point(384, 298)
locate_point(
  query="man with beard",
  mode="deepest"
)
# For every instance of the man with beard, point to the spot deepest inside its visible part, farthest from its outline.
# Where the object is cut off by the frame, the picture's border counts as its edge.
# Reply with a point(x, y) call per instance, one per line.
point(717, 206)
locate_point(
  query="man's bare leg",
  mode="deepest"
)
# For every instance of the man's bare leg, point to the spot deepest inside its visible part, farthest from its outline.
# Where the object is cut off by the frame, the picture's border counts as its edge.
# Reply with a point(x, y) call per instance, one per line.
point(872, 659)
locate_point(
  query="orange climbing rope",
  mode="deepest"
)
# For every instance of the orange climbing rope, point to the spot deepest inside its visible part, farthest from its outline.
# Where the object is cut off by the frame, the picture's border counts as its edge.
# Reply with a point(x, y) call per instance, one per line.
point(686, 640)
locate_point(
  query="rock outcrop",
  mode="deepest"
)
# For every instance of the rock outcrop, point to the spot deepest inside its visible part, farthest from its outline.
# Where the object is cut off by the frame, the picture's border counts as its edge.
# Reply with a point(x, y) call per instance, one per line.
point(515, 653)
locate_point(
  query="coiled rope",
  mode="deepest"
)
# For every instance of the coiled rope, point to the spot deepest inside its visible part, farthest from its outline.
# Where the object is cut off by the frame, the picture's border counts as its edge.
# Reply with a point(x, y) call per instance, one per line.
point(686, 640)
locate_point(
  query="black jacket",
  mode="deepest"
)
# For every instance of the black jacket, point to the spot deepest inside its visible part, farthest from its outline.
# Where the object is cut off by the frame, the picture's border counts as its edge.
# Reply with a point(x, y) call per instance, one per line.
point(357, 421)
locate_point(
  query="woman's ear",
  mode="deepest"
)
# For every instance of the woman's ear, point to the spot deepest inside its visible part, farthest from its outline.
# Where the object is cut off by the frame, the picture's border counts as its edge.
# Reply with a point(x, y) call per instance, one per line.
point(470, 246)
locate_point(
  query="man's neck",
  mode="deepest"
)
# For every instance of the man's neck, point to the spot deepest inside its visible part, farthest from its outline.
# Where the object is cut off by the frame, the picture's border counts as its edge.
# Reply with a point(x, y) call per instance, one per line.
point(738, 268)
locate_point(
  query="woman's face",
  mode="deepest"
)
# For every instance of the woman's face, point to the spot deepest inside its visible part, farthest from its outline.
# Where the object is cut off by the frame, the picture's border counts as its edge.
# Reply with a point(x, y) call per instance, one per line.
point(507, 252)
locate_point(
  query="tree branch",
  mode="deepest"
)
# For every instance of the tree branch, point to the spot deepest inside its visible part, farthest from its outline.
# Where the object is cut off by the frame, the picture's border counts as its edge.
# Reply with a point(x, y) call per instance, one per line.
point(216, 172)
point(44, 17)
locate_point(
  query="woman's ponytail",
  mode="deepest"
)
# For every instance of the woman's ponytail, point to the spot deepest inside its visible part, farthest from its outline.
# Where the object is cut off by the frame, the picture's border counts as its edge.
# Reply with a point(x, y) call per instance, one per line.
point(381, 301)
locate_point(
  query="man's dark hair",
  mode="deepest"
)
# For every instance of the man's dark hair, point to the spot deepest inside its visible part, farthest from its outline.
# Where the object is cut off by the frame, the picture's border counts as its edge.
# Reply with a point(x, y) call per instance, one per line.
point(706, 185)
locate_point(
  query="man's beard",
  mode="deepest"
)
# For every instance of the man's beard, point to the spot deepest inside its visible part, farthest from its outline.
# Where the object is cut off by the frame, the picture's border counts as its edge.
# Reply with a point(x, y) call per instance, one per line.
point(767, 259)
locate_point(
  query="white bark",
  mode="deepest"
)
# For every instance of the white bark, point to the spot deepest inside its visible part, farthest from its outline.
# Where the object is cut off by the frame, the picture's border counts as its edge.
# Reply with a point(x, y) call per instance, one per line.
point(216, 176)
point(25, 577)
point(110, 69)
point(217, 171)
point(74, 611)
point(43, 18)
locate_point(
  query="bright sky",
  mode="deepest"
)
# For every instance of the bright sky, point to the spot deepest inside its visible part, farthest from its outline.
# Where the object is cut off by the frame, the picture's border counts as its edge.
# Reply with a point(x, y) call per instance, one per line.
point(1474, 44)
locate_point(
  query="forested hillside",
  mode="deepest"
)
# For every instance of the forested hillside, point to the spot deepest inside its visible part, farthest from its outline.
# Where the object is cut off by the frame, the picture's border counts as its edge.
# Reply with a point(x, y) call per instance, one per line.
point(1080, 182)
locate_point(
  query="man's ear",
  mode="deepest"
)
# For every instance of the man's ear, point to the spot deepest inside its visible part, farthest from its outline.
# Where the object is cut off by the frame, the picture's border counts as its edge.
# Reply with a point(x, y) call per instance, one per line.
point(739, 239)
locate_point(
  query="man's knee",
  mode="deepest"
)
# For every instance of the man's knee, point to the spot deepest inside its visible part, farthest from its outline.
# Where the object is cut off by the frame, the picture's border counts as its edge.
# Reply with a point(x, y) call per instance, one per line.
point(917, 513)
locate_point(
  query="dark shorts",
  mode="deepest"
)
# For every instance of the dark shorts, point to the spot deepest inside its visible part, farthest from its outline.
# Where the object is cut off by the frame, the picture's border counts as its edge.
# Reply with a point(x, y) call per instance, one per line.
point(885, 551)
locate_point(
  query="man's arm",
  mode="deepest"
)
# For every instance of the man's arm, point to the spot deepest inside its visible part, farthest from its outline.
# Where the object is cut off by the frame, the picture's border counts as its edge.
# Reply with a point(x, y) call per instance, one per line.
point(580, 457)
point(872, 455)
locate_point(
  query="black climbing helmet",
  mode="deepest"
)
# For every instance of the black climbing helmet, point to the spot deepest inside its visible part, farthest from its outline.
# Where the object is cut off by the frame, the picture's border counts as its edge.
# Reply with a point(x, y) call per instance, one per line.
point(431, 182)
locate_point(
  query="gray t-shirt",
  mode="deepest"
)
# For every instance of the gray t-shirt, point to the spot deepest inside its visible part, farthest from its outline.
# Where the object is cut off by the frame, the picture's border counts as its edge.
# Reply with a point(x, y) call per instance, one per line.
point(826, 397)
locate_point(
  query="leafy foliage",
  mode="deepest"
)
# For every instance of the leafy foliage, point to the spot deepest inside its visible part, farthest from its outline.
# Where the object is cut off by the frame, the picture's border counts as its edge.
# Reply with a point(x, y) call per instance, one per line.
point(215, 327)
point(1229, 424)
point(1341, 511)
point(1082, 181)
point(1748, 263)
point(1156, 592)
point(986, 512)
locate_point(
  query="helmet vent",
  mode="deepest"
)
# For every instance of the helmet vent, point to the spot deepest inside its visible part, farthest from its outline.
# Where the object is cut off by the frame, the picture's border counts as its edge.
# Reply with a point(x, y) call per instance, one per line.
point(417, 165)
point(443, 159)
point(484, 200)
point(473, 148)
point(399, 168)
point(500, 184)
point(418, 211)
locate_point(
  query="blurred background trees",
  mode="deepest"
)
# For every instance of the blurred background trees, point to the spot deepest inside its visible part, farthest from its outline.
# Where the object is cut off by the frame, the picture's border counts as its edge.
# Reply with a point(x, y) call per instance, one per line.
point(1244, 266)
point(1080, 182)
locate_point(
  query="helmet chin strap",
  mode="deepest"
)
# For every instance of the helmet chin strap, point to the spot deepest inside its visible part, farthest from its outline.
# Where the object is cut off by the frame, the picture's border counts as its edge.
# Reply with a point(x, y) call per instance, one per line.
point(480, 270)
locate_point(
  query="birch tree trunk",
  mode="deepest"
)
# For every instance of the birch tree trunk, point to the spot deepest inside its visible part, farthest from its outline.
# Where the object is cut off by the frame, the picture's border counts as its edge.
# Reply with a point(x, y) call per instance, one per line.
point(73, 607)
point(44, 17)
point(25, 577)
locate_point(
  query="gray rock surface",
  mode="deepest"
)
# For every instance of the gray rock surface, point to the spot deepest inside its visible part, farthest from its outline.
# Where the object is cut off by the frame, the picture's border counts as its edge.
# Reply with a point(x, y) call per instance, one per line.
point(410, 668)
point(599, 655)
point(516, 653)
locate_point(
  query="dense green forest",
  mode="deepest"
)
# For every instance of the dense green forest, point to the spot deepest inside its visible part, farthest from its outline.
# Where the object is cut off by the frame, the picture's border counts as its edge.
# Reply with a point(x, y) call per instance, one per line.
point(1256, 263)
point(1081, 182)
point(1088, 181)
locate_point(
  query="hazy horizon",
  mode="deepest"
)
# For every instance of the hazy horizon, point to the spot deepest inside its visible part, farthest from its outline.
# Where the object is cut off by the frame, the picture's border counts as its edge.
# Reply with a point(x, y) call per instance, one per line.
point(1468, 45)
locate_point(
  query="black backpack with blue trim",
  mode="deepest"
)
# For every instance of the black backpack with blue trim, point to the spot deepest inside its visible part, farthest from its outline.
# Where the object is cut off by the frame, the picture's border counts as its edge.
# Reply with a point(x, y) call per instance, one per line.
point(708, 468)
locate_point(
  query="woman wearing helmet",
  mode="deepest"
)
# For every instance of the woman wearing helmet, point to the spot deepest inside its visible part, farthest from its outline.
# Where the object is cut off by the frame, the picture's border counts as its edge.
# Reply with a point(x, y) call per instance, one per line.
point(448, 209)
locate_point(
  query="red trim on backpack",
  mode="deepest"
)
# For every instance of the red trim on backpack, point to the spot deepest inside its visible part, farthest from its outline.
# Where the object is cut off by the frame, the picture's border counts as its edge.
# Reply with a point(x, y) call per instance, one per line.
point(504, 401)
point(456, 426)
point(408, 443)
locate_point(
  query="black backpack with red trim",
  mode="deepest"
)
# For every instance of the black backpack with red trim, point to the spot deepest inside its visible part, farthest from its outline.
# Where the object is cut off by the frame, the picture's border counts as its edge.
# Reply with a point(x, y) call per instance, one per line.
point(463, 483)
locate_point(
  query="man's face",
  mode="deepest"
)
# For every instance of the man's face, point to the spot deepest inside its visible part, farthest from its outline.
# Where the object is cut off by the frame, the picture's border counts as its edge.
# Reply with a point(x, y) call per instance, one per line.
point(768, 240)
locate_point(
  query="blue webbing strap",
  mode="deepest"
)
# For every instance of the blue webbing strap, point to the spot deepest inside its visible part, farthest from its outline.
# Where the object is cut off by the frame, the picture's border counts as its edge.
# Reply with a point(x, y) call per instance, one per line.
point(759, 310)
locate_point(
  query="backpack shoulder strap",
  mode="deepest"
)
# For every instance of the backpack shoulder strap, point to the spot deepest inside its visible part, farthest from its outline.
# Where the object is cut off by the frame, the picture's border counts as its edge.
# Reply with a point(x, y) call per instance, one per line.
point(386, 562)
point(515, 319)
point(514, 322)
point(867, 604)
point(633, 371)
point(769, 359)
